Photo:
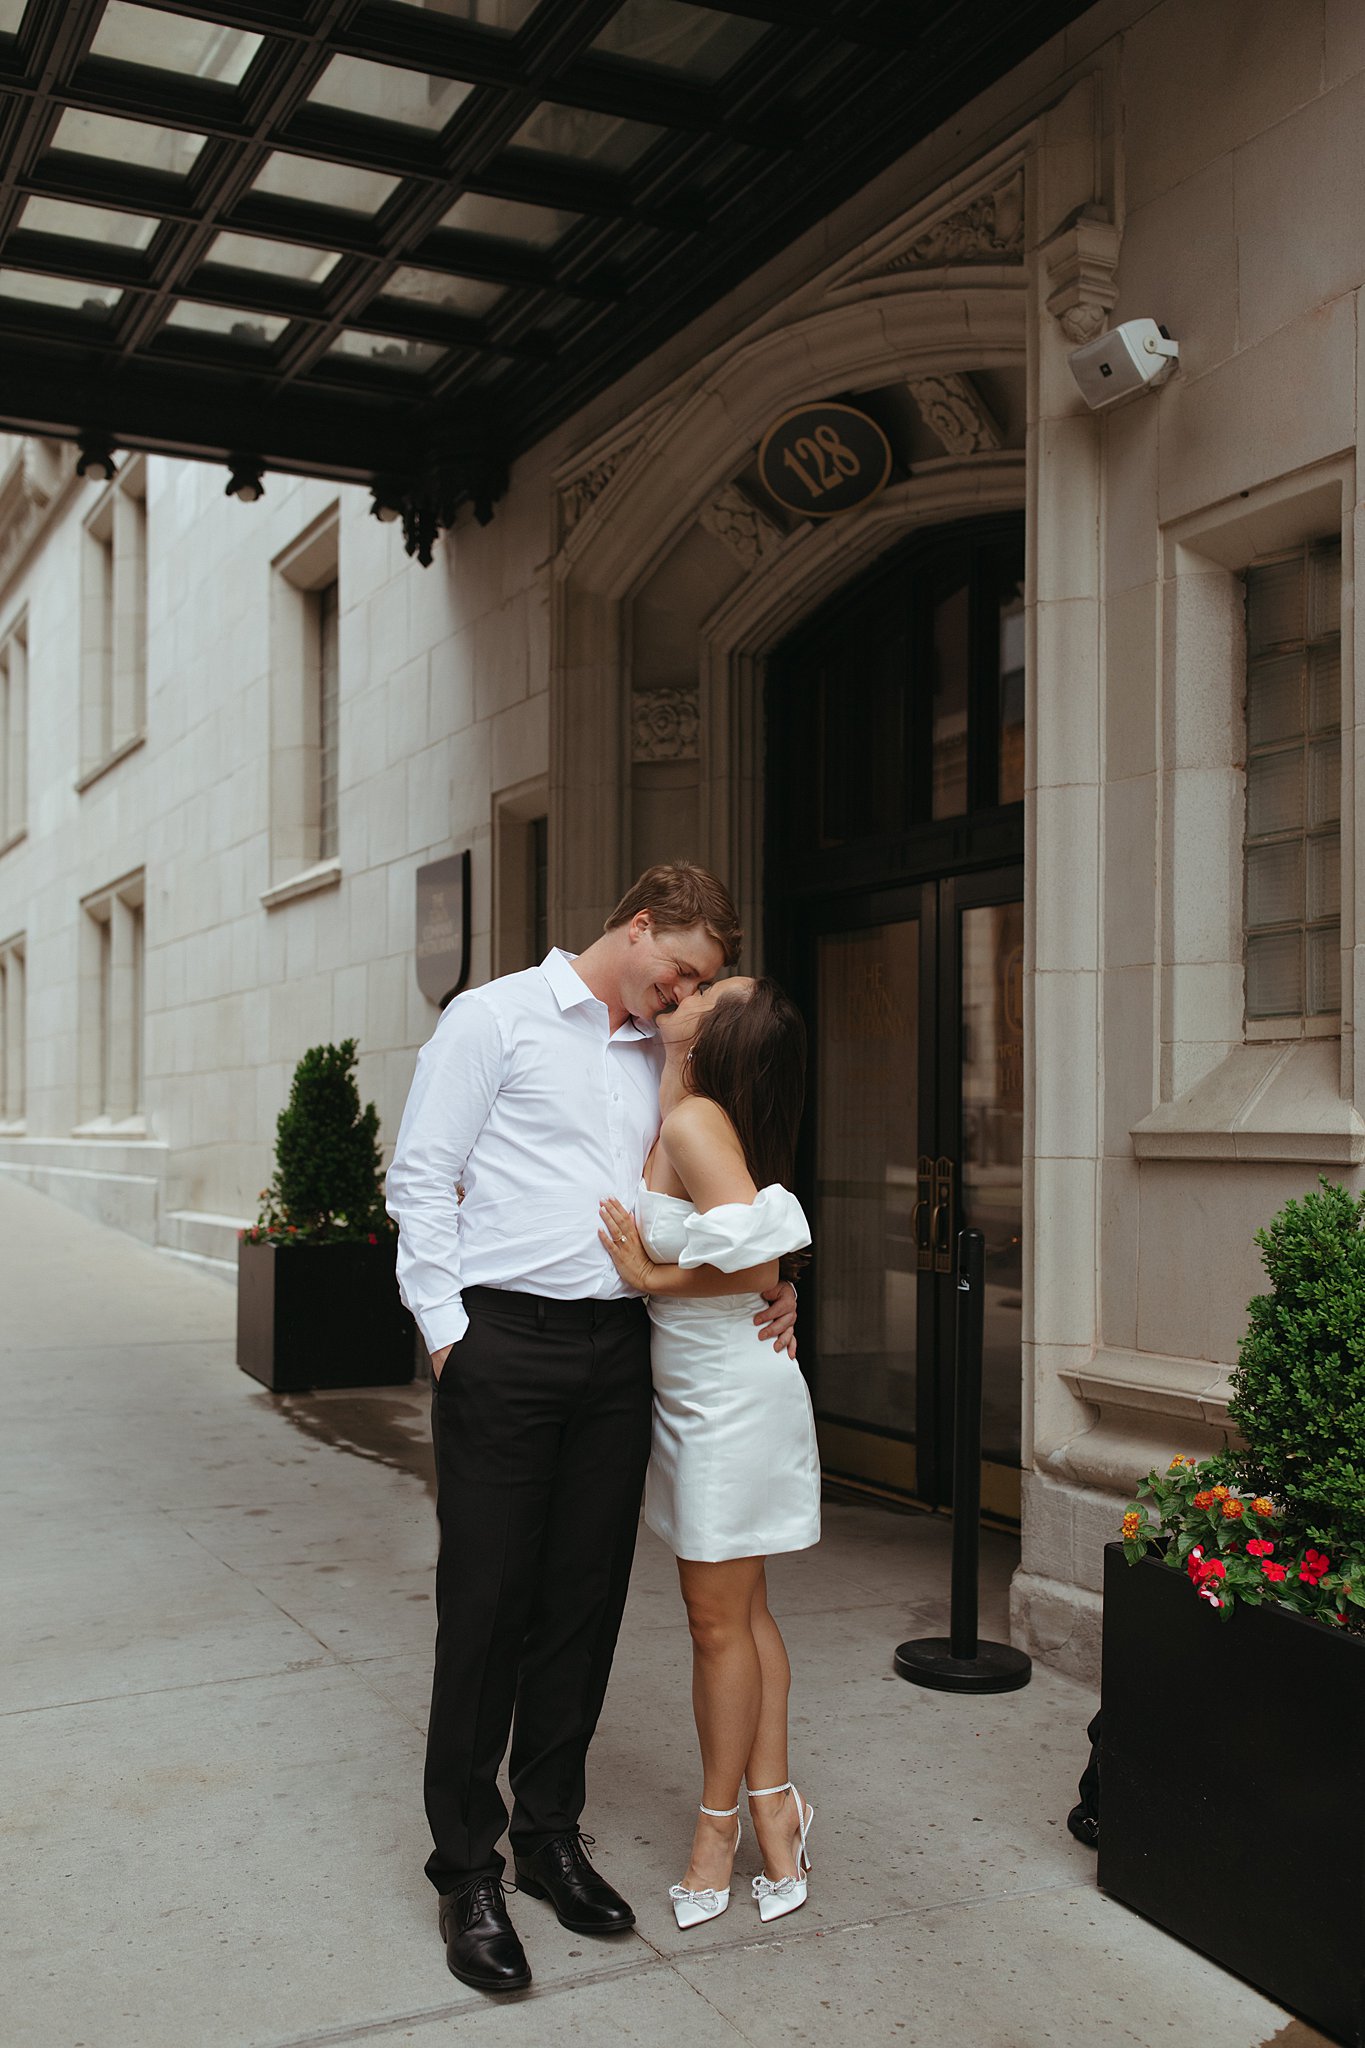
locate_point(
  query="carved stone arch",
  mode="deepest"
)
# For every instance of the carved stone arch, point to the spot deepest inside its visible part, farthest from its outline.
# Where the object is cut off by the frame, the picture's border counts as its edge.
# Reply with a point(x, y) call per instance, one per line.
point(676, 462)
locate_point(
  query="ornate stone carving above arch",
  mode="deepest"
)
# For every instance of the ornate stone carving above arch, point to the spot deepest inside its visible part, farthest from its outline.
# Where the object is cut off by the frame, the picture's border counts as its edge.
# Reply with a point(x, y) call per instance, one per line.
point(871, 320)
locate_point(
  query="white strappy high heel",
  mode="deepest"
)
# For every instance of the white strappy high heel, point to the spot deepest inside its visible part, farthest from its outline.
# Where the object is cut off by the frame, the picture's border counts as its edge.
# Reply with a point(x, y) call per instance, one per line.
point(691, 1908)
point(775, 1896)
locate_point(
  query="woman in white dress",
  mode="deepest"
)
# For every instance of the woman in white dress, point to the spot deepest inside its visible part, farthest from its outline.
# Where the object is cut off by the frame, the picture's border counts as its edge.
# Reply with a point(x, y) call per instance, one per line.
point(734, 1474)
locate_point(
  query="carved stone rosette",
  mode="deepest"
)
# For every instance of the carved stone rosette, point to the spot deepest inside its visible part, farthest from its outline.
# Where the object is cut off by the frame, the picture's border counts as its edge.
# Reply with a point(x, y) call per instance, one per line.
point(666, 725)
point(953, 409)
point(737, 522)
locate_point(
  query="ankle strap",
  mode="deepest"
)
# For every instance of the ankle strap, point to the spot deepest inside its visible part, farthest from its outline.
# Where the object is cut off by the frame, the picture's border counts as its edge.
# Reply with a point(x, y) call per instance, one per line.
point(766, 1791)
point(720, 1812)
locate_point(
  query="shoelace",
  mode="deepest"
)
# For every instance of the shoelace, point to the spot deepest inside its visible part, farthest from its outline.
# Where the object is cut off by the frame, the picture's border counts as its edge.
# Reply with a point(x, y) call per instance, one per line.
point(501, 1887)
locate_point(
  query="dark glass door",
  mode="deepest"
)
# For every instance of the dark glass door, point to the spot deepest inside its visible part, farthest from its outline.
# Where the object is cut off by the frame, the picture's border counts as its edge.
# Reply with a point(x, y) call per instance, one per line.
point(915, 1132)
point(895, 914)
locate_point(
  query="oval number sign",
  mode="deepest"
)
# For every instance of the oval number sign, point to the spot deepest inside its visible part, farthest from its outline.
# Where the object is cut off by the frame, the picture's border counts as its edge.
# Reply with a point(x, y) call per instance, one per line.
point(823, 459)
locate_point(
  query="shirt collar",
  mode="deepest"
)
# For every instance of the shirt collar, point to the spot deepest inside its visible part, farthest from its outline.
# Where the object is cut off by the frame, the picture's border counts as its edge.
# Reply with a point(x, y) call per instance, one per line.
point(569, 988)
point(570, 991)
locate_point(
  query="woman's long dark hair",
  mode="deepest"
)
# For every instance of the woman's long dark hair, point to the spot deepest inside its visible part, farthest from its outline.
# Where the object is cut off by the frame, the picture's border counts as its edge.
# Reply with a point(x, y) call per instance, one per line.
point(750, 1057)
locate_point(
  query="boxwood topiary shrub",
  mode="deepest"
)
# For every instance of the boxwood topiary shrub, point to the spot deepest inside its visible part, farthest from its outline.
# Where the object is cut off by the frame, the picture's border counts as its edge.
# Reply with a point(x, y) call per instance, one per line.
point(1282, 1518)
point(328, 1182)
point(1299, 1387)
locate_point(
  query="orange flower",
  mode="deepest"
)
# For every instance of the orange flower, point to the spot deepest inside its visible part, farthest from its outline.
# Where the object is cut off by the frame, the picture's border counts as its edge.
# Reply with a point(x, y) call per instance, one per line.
point(1263, 1507)
point(1132, 1522)
point(1233, 1511)
point(1221, 1492)
point(1204, 1499)
point(1177, 1462)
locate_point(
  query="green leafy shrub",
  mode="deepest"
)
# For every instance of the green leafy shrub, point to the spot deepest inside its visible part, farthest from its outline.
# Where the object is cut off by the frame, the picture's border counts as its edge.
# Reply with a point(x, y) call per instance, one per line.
point(1299, 1387)
point(328, 1180)
point(1282, 1519)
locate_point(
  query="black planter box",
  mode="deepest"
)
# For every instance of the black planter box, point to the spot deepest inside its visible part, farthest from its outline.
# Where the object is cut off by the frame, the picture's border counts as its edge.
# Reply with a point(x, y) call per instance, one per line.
point(322, 1315)
point(1232, 1787)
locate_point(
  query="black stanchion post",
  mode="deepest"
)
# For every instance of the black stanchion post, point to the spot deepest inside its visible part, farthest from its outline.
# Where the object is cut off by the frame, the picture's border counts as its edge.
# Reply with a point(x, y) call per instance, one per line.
point(960, 1662)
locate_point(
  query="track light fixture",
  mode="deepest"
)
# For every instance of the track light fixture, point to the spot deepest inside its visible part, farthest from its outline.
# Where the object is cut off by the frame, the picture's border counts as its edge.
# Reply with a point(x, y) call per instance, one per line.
point(245, 479)
point(96, 459)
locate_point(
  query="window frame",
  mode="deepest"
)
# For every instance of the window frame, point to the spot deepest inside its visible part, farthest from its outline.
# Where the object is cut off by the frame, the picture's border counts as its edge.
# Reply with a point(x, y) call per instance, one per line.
point(14, 1034)
point(300, 860)
point(1304, 1023)
point(14, 703)
point(113, 624)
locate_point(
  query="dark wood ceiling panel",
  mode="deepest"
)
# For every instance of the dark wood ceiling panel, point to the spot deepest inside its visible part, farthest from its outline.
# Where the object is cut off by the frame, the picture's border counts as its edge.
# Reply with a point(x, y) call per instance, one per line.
point(613, 176)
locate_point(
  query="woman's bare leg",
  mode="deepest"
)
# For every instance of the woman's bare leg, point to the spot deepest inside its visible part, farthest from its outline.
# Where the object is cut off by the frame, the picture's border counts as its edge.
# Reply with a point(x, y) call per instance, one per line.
point(727, 1697)
point(776, 1822)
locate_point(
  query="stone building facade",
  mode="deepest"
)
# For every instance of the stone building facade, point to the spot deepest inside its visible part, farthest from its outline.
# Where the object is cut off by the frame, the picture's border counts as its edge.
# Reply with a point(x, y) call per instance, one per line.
point(1080, 964)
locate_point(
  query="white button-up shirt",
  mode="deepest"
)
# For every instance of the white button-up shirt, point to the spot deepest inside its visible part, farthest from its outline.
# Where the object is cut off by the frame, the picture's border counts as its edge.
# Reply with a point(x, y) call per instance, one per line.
point(526, 1098)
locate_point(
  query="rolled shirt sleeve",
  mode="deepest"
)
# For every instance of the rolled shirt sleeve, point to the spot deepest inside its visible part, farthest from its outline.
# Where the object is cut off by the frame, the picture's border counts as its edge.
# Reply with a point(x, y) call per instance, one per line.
point(459, 1072)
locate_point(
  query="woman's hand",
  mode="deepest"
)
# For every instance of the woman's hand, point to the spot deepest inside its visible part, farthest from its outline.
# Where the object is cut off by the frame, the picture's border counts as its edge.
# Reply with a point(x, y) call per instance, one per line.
point(620, 1238)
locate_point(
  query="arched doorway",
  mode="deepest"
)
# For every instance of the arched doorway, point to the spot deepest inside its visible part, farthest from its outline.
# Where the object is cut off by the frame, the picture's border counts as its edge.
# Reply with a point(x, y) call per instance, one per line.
point(894, 909)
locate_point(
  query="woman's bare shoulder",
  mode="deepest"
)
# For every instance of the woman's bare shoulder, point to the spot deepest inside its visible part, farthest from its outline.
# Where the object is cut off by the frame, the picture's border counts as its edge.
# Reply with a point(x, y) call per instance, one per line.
point(695, 1118)
point(698, 1138)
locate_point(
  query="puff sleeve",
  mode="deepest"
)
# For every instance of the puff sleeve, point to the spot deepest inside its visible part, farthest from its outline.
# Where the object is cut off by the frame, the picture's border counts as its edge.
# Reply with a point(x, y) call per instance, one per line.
point(740, 1234)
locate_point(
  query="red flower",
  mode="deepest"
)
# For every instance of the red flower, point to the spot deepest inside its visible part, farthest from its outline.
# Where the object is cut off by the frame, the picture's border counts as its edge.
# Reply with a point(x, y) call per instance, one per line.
point(1204, 1499)
point(1258, 1547)
point(1202, 1569)
point(373, 1238)
point(293, 1229)
point(1275, 1572)
point(1314, 1567)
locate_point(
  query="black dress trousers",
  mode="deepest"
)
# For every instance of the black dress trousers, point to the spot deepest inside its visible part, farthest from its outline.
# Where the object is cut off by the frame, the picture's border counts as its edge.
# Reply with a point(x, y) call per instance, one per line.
point(541, 1422)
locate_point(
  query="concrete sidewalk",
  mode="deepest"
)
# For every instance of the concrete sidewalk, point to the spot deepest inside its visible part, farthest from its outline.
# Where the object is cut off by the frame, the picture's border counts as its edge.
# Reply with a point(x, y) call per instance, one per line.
point(216, 1618)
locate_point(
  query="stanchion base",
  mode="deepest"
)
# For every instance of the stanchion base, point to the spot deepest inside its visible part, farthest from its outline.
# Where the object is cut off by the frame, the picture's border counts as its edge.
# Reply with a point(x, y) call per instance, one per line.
point(996, 1667)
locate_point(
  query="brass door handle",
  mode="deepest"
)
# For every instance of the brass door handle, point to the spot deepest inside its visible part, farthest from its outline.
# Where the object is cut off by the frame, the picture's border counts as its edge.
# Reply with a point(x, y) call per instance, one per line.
point(941, 1220)
point(922, 1231)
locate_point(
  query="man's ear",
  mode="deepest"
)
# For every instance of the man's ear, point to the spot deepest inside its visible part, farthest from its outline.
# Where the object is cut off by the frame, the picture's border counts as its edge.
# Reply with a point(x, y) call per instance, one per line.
point(641, 925)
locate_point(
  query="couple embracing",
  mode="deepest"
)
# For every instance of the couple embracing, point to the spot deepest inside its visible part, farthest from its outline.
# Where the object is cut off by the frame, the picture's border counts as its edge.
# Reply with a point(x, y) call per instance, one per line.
point(592, 1187)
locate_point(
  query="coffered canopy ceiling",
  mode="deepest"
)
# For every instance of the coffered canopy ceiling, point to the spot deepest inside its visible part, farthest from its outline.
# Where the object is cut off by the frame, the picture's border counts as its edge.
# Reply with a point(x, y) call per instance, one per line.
point(396, 241)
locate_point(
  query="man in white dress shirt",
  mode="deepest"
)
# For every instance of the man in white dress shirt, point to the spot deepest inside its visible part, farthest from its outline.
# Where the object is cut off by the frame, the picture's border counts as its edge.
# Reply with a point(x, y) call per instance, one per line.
point(536, 1096)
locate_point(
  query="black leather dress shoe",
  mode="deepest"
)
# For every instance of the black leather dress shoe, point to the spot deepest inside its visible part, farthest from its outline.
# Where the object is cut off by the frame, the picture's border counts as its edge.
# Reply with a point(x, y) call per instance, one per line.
point(584, 1902)
point(482, 1946)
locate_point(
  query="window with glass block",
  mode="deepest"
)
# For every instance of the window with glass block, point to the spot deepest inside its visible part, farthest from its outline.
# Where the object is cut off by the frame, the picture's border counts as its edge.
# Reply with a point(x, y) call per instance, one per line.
point(1293, 820)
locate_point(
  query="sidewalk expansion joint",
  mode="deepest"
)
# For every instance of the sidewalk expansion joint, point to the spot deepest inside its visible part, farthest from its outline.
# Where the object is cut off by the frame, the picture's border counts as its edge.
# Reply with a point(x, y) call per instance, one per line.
point(658, 1960)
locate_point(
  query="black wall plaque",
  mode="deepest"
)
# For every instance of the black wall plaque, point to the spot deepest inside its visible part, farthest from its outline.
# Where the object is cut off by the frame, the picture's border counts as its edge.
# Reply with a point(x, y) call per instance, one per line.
point(443, 909)
point(824, 459)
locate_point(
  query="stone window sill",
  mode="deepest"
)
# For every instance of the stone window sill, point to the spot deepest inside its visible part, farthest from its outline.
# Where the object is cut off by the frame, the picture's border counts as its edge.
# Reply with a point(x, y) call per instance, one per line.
point(131, 746)
point(326, 874)
point(14, 1130)
point(105, 1127)
point(1271, 1100)
point(15, 839)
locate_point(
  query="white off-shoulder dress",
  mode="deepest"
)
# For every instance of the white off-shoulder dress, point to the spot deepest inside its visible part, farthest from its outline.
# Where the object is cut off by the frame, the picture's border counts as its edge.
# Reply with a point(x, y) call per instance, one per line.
point(734, 1470)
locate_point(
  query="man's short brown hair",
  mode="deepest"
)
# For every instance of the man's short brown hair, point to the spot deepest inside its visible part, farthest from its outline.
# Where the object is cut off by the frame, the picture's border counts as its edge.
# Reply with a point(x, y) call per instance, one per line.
point(678, 895)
